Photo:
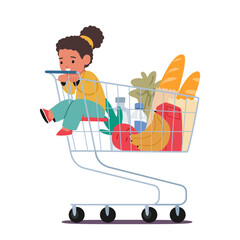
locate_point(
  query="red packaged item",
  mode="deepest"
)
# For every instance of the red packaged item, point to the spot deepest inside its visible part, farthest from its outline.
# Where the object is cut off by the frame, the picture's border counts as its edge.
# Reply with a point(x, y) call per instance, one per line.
point(173, 115)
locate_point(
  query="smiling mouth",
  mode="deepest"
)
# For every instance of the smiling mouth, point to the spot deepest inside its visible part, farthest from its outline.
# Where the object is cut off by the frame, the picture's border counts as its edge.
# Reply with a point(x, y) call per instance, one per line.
point(67, 69)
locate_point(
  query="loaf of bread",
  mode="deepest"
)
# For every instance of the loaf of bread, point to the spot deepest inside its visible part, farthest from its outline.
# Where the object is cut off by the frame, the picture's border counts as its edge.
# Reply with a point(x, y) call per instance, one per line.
point(173, 76)
point(170, 82)
point(190, 86)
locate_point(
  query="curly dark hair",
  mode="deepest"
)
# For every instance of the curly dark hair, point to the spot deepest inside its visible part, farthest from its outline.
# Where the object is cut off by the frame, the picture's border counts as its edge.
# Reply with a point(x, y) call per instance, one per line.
point(81, 45)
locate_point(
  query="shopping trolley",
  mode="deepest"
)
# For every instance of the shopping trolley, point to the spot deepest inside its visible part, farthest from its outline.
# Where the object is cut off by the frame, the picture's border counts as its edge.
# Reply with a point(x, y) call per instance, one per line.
point(171, 110)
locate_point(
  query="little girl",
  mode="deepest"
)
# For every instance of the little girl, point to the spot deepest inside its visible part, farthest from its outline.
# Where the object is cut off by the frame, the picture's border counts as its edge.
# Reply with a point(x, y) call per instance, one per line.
point(75, 54)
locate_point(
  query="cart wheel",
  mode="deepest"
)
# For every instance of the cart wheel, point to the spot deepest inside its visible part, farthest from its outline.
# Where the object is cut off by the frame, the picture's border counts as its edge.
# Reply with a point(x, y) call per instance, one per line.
point(111, 216)
point(180, 217)
point(151, 216)
point(78, 217)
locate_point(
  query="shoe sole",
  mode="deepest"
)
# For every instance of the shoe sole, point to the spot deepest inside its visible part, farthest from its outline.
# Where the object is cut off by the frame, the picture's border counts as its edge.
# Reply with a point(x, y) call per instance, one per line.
point(44, 116)
point(65, 134)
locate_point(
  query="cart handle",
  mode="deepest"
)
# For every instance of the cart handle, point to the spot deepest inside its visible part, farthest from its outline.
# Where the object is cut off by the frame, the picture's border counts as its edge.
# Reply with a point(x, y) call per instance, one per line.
point(59, 72)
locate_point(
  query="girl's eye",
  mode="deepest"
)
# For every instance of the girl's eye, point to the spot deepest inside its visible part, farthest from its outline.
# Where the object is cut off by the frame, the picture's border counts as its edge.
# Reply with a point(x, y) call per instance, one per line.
point(73, 61)
point(61, 62)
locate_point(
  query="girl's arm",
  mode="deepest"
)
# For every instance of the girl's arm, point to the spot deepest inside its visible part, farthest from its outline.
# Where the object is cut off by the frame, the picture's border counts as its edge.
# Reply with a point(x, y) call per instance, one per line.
point(66, 87)
point(90, 88)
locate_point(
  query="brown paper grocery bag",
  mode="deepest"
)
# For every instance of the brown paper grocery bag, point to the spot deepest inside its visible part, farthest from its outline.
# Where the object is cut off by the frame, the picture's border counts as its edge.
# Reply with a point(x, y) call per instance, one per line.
point(189, 108)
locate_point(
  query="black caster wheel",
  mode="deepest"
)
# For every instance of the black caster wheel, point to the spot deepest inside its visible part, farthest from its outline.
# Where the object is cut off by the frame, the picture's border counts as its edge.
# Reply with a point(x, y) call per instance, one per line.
point(151, 216)
point(108, 218)
point(78, 217)
point(181, 216)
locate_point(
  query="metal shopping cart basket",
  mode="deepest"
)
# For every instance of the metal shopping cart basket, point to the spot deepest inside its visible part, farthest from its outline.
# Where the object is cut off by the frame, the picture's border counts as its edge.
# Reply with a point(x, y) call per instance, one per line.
point(170, 130)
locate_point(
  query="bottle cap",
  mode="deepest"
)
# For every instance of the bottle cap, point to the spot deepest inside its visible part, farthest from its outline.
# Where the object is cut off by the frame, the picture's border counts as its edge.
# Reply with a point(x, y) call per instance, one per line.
point(138, 105)
point(120, 99)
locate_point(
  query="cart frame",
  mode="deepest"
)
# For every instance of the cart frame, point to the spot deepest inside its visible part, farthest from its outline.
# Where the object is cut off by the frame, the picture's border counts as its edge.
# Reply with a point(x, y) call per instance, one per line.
point(149, 214)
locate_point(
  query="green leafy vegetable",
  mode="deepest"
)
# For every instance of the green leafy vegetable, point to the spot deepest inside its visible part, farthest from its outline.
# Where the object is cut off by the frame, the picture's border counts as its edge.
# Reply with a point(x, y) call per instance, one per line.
point(113, 119)
point(142, 95)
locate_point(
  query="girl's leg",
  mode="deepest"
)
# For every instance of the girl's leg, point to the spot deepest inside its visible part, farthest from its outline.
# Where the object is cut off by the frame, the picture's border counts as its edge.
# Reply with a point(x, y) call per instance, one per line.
point(59, 110)
point(76, 111)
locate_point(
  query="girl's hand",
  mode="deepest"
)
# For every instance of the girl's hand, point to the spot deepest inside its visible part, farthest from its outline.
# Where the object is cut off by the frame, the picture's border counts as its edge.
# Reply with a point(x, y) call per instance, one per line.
point(66, 77)
point(63, 78)
point(73, 77)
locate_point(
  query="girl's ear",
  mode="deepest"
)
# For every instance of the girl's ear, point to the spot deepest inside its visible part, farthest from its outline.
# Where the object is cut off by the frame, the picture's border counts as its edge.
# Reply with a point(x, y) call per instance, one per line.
point(86, 59)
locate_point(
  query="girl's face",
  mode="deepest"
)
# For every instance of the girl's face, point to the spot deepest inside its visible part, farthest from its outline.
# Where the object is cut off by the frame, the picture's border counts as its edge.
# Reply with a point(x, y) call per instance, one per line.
point(71, 60)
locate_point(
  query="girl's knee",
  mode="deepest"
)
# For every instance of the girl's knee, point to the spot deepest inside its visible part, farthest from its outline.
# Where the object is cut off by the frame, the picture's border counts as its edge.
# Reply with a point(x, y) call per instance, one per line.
point(67, 101)
point(77, 105)
point(78, 102)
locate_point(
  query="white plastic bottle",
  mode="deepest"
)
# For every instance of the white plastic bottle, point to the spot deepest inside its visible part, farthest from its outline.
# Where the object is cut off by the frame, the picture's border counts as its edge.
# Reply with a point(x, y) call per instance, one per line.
point(139, 118)
point(120, 101)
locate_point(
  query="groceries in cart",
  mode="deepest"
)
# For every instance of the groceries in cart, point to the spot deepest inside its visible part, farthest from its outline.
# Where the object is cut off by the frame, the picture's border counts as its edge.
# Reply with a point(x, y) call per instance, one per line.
point(119, 131)
point(120, 102)
point(139, 118)
point(163, 117)
point(168, 92)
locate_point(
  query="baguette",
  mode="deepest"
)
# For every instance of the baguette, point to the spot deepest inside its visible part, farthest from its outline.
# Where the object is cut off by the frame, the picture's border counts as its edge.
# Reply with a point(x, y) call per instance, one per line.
point(190, 86)
point(173, 76)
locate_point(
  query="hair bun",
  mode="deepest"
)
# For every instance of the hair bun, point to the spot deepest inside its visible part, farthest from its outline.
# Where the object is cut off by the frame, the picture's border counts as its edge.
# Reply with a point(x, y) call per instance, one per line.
point(95, 34)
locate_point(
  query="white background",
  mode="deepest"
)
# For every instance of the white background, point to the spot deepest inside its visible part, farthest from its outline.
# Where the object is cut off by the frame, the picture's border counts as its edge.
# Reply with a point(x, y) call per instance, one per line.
point(38, 179)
